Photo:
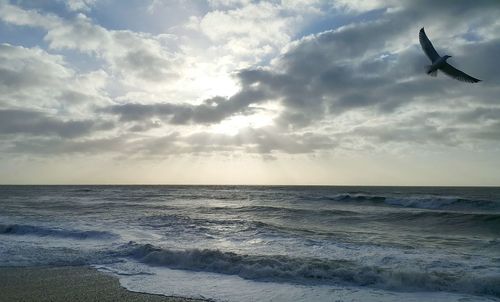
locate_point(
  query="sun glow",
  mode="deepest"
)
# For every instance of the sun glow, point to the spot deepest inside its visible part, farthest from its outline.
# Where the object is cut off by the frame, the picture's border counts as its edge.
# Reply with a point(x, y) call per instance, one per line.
point(233, 125)
point(216, 85)
point(209, 79)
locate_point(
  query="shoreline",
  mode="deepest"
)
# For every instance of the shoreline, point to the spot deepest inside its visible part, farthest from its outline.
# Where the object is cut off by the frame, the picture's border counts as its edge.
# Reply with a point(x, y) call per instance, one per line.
point(69, 283)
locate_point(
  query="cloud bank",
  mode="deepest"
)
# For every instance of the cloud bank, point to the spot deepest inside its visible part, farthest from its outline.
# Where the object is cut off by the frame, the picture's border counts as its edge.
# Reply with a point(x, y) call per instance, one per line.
point(302, 80)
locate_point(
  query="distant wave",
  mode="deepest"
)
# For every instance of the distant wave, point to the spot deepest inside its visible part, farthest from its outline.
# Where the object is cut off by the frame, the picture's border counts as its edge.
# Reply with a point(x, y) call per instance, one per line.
point(184, 223)
point(84, 190)
point(464, 222)
point(18, 229)
point(273, 210)
point(421, 202)
point(416, 201)
point(446, 217)
point(314, 270)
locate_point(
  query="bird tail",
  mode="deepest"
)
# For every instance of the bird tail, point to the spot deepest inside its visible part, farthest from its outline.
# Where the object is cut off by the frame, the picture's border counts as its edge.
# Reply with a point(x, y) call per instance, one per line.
point(432, 73)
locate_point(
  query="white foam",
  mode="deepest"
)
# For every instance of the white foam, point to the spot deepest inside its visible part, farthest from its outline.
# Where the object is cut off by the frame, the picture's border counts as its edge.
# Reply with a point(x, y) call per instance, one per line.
point(220, 287)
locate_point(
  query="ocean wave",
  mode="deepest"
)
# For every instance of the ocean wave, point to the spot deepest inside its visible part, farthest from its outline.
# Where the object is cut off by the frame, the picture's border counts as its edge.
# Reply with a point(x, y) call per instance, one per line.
point(84, 190)
point(18, 229)
point(421, 202)
point(491, 221)
point(215, 227)
point(356, 197)
point(275, 210)
point(280, 268)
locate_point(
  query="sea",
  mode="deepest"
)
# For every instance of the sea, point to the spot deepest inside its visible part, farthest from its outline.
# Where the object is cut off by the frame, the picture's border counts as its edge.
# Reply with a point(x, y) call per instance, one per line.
point(265, 243)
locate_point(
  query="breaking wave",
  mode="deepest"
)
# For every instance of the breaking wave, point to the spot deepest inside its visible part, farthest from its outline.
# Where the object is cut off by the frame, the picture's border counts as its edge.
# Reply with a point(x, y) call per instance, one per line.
point(422, 202)
point(314, 270)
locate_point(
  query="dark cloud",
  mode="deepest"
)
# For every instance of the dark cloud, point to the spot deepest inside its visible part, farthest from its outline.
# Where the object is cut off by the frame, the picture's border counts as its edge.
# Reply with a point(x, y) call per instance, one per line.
point(14, 121)
point(409, 133)
point(75, 97)
point(368, 65)
point(148, 66)
point(479, 115)
point(264, 140)
point(480, 57)
point(58, 146)
point(210, 111)
point(489, 132)
point(20, 79)
point(144, 126)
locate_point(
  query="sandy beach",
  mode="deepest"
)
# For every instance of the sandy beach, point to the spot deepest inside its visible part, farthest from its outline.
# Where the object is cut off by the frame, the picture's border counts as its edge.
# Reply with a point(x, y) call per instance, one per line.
point(67, 284)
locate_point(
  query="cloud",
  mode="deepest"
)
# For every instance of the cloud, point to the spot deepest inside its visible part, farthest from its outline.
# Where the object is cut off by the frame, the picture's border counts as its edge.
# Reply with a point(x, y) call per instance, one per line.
point(265, 140)
point(245, 33)
point(362, 5)
point(80, 5)
point(58, 146)
point(251, 28)
point(31, 77)
point(15, 15)
point(38, 124)
point(22, 67)
point(360, 83)
point(490, 132)
point(374, 65)
point(211, 111)
point(354, 85)
point(135, 57)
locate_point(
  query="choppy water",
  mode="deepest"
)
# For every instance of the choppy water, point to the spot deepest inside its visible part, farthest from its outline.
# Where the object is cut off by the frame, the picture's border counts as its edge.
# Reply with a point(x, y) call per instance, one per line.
point(244, 243)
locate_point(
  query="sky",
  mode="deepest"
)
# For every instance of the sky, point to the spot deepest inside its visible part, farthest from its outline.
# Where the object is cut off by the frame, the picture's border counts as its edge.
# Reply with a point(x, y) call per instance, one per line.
point(247, 92)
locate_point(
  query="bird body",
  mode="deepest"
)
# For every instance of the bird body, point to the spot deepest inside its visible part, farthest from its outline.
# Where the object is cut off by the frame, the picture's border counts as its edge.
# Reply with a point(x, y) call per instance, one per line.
point(439, 62)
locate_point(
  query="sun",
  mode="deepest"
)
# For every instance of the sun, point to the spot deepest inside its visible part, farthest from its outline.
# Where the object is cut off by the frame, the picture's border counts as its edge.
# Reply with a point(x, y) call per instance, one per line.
point(221, 85)
point(209, 80)
point(263, 116)
point(235, 124)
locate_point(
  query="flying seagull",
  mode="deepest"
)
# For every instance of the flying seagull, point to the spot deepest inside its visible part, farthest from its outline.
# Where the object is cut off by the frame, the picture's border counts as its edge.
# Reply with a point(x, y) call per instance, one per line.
point(439, 63)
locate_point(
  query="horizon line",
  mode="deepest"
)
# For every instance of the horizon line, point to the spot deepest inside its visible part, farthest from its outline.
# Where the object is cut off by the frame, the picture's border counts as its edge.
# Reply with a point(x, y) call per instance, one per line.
point(253, 185)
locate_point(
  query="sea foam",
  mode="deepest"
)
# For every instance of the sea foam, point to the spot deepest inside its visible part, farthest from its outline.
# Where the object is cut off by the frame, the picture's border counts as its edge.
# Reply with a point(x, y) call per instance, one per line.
point(279, 268)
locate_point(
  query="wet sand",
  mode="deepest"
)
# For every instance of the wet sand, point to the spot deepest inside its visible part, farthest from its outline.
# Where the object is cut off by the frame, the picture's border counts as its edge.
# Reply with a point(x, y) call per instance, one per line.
point(68, 284)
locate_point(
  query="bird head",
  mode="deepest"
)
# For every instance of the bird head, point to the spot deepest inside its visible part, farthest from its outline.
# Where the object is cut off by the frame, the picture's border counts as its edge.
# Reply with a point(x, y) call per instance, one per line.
point(446, 57)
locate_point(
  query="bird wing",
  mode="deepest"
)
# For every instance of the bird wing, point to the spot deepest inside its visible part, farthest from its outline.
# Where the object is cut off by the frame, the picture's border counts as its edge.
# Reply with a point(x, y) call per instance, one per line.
point(457, 74)
point(427, 46)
